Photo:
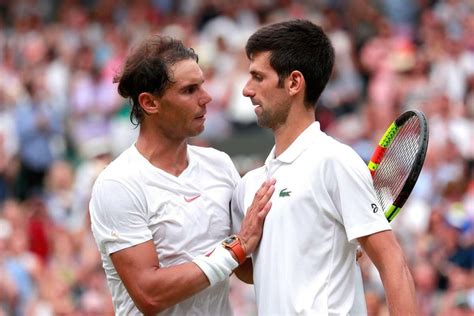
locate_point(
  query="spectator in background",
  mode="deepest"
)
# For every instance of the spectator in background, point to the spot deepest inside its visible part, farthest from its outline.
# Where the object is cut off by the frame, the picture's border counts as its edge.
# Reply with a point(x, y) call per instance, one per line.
point(8, 286)
point(99, 156)
point(40, 137)
point(239, 108)
point(426, 282)
point(22, 267)
point(10, 90)
point(93, 101)
point(375, 58)
point(217, 125)
point(451, 69)
point(58, 194)
point(344, 88)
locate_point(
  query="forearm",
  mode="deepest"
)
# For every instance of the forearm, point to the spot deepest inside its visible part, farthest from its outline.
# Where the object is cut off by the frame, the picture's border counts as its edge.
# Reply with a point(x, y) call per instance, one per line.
point(399, 288)
point(387, 255)
point(151, 287)
point(159, 288)
point(164, 287)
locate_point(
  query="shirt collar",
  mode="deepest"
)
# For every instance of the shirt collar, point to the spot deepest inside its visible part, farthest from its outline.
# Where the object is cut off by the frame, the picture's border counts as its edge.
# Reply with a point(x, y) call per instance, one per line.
point(303, 141)
point(190, 154)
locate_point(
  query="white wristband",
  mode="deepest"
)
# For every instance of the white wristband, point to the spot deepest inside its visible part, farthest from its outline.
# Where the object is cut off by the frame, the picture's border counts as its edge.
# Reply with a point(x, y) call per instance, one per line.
point(218, 266)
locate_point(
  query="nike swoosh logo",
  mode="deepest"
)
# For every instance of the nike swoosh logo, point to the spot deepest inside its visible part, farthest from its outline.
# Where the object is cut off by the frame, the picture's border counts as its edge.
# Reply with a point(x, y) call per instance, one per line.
point(192, 198)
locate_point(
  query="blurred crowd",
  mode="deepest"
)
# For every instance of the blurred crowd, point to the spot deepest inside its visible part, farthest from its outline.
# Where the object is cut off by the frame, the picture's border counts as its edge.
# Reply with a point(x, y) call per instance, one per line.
point(62, 121)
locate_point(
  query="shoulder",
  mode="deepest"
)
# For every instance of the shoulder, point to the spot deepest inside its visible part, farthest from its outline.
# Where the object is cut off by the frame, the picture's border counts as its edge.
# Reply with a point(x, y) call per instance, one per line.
point(120, 183)
point(330, 157)
point(334, 147)
point(122, 169)
point(332, 150)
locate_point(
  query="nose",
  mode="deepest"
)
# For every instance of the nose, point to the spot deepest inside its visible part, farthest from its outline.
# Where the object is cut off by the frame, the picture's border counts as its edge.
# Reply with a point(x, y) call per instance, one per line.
point(248, 91)
point(205, 99)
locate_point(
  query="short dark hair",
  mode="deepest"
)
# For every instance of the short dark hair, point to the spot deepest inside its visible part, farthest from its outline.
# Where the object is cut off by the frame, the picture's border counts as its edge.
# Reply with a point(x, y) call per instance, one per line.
point(147, 69)
point(296, 45)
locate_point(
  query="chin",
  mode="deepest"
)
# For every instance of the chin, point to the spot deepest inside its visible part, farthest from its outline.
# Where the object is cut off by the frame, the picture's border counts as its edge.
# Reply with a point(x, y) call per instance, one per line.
point(196, 132)
point(263, 123)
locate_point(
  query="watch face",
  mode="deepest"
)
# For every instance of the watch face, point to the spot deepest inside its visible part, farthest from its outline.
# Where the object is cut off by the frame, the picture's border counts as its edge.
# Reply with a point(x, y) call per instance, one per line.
point(229, 240)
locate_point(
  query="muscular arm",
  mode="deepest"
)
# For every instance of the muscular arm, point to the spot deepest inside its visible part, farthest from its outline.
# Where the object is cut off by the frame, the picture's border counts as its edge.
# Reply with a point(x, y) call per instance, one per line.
point(152, 288)
point(385, 252)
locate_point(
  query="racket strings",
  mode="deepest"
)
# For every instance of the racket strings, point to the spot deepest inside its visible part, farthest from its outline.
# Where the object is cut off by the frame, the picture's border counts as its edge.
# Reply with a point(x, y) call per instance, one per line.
point(396, 164)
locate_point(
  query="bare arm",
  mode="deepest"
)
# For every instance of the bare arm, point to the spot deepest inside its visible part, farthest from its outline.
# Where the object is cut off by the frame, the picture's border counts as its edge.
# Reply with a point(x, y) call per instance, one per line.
point(152, 288)
point(385, 252)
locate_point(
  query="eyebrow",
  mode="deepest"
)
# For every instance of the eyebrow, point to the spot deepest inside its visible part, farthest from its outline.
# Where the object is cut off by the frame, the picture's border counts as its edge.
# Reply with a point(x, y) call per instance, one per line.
point(256, 72)
point(192, 82)
point(191, 85)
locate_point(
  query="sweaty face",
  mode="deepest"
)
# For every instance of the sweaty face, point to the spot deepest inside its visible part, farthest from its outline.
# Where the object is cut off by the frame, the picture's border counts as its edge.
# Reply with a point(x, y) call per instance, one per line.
point(271, 101)
point(183, 105)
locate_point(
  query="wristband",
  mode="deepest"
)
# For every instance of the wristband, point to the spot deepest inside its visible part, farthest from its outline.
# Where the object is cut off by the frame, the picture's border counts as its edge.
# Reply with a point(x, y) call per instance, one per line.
point(218, 266)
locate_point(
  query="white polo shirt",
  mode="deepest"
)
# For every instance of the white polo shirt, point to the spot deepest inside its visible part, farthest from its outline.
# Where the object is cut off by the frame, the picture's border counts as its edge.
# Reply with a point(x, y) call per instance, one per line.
point(305, 263)
point(186, 216)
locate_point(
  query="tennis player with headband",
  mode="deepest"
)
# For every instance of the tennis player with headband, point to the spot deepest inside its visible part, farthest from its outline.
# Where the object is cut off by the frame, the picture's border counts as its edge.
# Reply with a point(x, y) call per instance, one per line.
point(160, 211)
point(324, 203)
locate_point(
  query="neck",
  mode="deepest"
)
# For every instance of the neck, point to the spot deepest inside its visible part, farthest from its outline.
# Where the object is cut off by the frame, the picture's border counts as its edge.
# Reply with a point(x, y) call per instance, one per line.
point(295, 124)
point(163, 152)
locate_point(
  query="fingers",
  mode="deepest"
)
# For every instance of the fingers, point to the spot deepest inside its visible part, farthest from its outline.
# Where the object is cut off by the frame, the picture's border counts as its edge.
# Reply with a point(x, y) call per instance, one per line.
point(252, 224)
point(262, 196)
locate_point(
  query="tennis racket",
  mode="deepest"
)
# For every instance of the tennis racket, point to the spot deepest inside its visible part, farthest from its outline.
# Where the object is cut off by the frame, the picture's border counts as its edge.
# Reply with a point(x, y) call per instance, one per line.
point(397, 161)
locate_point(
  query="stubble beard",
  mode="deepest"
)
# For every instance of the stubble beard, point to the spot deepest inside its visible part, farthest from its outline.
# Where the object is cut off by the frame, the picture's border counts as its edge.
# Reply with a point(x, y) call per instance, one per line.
point(264, 120)
point(275, 119)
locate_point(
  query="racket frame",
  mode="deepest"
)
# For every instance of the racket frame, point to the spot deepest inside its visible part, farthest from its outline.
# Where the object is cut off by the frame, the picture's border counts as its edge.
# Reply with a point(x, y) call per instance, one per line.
point(385, 142)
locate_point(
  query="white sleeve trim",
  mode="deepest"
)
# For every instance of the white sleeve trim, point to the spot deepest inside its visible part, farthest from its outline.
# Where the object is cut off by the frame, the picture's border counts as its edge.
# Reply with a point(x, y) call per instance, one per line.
point(367, 229)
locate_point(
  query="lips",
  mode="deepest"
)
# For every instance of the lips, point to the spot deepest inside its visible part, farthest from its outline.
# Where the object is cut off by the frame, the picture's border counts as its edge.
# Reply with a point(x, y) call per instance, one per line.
point(257, 108)
point(201, 116)
point(255, 103)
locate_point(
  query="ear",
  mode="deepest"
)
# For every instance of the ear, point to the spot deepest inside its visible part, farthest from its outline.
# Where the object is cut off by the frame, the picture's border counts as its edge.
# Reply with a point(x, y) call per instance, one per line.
point(148, 102)
point(296, 82)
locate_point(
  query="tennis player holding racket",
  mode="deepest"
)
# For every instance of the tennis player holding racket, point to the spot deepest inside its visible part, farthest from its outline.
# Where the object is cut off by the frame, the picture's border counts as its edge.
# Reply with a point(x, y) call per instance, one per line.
point(324, 202)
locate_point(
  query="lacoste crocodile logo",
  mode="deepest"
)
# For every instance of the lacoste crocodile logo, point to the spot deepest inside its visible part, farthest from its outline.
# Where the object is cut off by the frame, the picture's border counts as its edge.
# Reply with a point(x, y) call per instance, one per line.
point(192, 198)
point(284, 192)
